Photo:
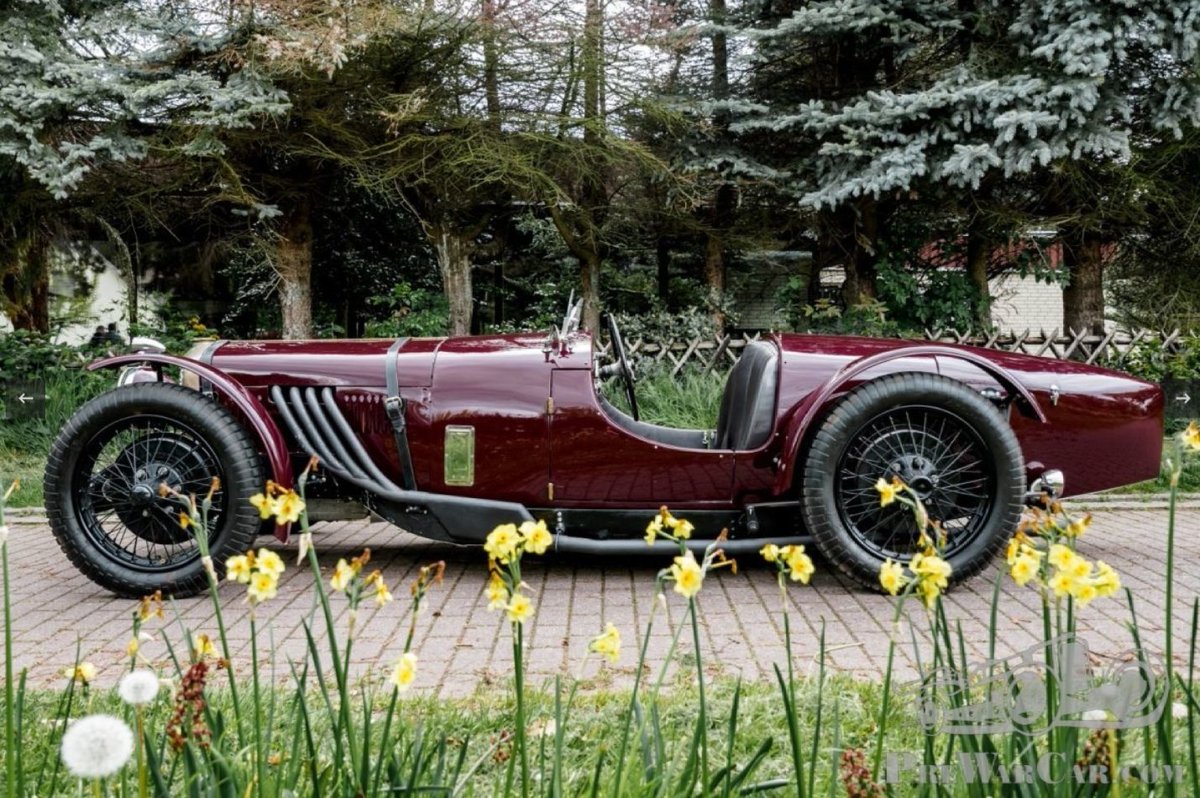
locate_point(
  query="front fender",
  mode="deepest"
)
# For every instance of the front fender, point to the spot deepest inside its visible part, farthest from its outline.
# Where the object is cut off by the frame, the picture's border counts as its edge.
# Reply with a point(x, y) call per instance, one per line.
point(251, 408)
point(798, 427)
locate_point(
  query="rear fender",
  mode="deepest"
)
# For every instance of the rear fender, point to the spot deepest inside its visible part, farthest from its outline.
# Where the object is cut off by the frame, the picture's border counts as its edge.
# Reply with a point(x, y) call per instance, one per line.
point(798, 427)
point(249, 405)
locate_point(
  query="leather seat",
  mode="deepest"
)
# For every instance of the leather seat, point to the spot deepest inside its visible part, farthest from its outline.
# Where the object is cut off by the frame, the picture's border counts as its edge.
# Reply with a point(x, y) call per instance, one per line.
point(748, 405)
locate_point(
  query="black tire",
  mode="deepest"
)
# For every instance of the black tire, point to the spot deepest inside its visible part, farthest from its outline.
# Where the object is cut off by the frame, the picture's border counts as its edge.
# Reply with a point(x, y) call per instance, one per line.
point(917, 426)
point(120, 445)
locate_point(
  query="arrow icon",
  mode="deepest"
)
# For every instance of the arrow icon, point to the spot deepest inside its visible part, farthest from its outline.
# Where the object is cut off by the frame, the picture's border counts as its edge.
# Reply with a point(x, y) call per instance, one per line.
point(1183, 398)
point(23, 398)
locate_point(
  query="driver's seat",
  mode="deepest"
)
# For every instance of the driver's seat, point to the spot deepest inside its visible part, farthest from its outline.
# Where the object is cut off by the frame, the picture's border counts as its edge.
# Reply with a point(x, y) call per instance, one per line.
point(748, 406)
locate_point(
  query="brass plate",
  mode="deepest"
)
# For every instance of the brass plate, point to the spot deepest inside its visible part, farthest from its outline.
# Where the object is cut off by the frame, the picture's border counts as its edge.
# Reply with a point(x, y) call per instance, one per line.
point(459, 466)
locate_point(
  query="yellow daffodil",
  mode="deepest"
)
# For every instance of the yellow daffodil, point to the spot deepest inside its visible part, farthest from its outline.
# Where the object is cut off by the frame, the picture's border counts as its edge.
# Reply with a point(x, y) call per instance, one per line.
point(1024, 568)
point(1107, 580)
point(520, 608)
point(799, 565)
point(680, 527)
point(892, 578)
point(1191, 436)
point(503, 543)
point(202, 644)
point(269, 562)
point(264, 504)
point(150, 606)
point(888, 491)
point(607, 643)
point(1080, 568)
point(1014, 548)
point(382, 594)
point(928, 590)
point(536, 537)
point(263, 586)
point(769, 552)
point(239, 568)
point(1083, 591)
point(404, 671)
point(185, 520)
point(653, 529)
point(342, 574)
point(1061, 583)
point(1077, 526)
point(131, 649)
point(83, 673)
point(288, 508)
point(1061, 556)
point(687, 575)
point(932, 568)
point(497, 592)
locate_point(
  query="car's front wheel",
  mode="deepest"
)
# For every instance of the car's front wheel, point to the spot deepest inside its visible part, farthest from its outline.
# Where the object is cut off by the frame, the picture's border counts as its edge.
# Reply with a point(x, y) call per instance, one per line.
point(102, 487)
point(943, 440)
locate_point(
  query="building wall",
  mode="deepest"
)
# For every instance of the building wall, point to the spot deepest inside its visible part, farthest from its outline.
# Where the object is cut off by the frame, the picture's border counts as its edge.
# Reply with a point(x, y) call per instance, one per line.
point(102, 302)
point(1025, 303)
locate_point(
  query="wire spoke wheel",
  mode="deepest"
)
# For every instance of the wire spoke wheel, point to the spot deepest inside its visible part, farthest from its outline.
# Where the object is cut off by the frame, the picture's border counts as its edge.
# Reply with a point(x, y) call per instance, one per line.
point(950, 445)
point(117, 480)
point(103, 477)
point(934, 452)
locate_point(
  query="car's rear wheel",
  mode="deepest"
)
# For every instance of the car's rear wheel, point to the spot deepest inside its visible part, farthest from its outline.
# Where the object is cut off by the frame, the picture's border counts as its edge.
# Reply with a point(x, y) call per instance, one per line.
point(944, 440)
point(102, 481)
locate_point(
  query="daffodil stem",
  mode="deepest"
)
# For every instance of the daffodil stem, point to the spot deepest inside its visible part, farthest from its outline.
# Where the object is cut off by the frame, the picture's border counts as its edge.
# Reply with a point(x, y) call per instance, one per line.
point(519, 679)
point(143, 785)
point(703, 719)
point(637, 682)
point(884, 702)
point(10, 743)
point(259, 767)
point(1168, 647)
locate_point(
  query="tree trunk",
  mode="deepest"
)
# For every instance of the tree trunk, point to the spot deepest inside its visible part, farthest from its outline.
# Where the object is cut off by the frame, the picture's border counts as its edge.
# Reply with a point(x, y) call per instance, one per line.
point(662, 258)
point(1083, 298)
point(593, 188)
point(26, 286)
point(714, 279)
point(979, 255)
point(590, 265)
point(454, 263)
point(491, 64)
point(294, 265)
point(725, 197)
point(858, 231)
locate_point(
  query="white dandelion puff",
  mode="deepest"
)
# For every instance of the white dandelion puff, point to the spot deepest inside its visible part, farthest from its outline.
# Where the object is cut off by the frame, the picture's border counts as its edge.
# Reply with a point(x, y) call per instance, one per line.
point(138, 687)
point(1179, 711)
point(96, 746)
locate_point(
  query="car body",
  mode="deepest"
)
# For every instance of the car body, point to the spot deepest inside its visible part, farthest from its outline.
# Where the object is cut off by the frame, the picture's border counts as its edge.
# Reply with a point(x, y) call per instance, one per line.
point(448, 437)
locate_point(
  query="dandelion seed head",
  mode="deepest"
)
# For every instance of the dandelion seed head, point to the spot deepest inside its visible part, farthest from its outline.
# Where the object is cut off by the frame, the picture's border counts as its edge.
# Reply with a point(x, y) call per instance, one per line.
point(138, 687)
point(96, 746)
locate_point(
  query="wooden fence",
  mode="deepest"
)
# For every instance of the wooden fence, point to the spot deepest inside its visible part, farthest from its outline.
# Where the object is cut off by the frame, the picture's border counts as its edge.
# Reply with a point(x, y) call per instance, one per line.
point(720, 352)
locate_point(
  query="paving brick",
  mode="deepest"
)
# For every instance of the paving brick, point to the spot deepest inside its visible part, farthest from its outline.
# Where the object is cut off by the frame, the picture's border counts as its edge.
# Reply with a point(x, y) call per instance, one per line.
point(461, 644)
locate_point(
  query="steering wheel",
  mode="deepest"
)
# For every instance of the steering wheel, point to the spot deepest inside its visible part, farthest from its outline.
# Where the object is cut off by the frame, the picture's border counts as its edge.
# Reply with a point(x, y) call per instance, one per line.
point(623, 365)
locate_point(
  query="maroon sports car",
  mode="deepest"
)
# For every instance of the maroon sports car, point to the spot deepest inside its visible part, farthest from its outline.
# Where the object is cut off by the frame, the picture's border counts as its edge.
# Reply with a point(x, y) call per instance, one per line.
point(447, 437)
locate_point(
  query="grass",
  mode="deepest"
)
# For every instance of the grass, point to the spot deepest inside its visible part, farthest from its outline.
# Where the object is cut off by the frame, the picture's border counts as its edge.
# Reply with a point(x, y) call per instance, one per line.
point(479, 727)
point(691, 401)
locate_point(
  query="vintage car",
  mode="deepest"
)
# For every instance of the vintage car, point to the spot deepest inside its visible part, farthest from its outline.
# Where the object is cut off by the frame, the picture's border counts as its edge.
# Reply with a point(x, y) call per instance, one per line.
point(448, 437)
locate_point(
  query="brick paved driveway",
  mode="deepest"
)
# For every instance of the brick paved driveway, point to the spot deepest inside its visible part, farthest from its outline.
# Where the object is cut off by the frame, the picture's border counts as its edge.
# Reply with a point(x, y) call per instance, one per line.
point(462, 644)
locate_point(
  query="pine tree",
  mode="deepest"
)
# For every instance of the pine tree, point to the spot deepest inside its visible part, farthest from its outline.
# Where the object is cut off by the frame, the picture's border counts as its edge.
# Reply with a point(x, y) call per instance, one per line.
point(88, 84)
point(872, 100)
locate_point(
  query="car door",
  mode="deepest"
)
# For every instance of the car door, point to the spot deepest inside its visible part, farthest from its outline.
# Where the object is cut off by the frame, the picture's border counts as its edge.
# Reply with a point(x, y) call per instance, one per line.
point(595, 463)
